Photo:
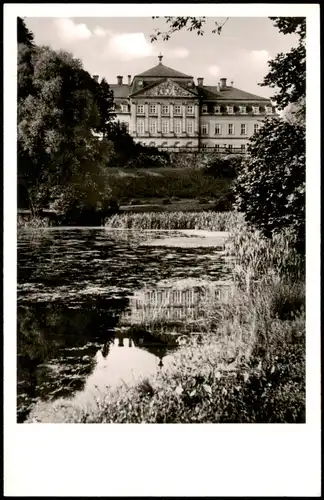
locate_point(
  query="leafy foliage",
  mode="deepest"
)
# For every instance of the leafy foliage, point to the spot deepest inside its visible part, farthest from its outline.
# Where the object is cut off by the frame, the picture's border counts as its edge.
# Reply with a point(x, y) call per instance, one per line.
point(189, 23)
point(288, 71)
point(24, 35)
point(270, 188)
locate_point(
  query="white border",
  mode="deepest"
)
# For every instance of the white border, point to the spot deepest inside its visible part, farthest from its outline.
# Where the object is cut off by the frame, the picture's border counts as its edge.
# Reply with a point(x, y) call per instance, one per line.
point(205, 460)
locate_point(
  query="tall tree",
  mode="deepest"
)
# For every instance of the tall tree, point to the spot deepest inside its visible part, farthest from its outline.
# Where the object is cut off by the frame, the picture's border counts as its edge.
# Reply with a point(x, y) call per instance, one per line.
point(24, 35)
point(288, 71)
point(56, 120)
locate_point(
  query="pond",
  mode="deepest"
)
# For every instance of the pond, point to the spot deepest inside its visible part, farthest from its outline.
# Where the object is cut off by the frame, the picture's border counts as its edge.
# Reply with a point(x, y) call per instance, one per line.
point(80, 293)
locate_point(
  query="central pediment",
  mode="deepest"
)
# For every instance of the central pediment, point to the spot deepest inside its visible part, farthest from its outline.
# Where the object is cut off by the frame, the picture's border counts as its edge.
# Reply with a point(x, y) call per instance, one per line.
point(166, 88)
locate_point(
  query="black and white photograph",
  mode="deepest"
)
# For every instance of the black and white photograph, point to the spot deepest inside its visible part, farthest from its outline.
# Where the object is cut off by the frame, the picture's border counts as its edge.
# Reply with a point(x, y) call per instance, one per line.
point(160, 220)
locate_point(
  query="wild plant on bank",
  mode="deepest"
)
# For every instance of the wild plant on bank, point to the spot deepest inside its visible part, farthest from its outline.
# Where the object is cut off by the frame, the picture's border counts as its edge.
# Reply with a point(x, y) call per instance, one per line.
point(258, 257)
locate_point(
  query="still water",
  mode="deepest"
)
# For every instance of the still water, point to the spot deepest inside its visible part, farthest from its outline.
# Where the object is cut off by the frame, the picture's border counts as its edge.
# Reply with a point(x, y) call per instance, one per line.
point(77, 298)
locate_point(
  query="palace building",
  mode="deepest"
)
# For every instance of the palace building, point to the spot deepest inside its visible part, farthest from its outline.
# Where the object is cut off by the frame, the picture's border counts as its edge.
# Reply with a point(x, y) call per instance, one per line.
point(167, 109)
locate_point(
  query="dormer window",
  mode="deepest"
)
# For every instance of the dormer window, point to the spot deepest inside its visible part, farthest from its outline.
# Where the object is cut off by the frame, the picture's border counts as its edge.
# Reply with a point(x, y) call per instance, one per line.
point(124, 108)
point(256, 110)
point(243, 110)
point(216, 110)
point(268, 110)
point(140, 83)
point(204, 109)
point(230, 110)
point(189, 84)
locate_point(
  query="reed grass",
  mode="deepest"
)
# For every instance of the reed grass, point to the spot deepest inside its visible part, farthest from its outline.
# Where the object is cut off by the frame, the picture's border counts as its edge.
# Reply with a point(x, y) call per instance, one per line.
point(212, 221)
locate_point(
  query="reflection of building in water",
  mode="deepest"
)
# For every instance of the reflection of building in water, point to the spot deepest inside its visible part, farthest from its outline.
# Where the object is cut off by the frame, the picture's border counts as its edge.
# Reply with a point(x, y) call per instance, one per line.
point(175, 301)
point(146, 342)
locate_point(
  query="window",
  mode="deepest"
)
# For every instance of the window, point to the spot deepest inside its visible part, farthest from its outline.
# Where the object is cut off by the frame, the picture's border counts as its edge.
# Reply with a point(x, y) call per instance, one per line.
point(256, 110)
point(216, 110)
point(140, 126)
point(152, 126)
point(217, 148)
point(124, 108)
point(204, 109)
point(204, 128)
point(243, 148)
point(204, 145)
point(230, 147)
point(190, 127)
point(152, 109)
point(126, 125)
point(243, 110)
point(165, 126)
point(190, 109)
point(230, 110)
point(177, 126)
point(177, 109)
point(256, 127)
point(165, 109)
point(268, 110)
point(140, 109)
point(230, 129)
point(243, 129)
point(218, 130)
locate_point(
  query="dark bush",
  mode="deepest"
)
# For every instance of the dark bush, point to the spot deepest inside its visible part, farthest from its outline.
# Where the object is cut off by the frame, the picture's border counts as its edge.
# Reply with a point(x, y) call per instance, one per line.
point(224, 166)
point(223, 203)
point(146, 160)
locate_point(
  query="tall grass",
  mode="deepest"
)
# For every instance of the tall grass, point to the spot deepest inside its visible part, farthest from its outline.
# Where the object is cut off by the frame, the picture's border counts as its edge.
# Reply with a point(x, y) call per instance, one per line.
point(212, 221)
point(33, 222)
point(258, 257)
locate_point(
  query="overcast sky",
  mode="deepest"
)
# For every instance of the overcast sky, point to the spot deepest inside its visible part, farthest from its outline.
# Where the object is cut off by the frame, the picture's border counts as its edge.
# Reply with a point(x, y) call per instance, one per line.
point(111, 46)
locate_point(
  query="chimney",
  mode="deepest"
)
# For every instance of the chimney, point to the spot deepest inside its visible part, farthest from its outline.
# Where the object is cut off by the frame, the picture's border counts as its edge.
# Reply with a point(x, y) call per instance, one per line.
point(218, 87)
point(232, 83)
point(200, 82)
point(96, 77)
point(223, 82)
point(119, 80)
point(129, 79)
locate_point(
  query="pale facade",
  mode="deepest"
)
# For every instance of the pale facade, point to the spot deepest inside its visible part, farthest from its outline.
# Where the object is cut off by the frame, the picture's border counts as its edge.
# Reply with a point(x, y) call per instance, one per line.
point(165, 108)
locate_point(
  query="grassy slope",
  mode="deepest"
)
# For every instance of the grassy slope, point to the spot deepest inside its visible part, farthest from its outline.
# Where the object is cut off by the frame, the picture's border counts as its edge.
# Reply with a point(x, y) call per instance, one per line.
point(150, 184)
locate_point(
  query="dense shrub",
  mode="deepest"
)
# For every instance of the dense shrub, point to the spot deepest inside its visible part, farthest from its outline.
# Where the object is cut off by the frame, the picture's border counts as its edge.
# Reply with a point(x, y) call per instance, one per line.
point(270, 188)
point(224, 166)
point(224, 203)
point(146, 160)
